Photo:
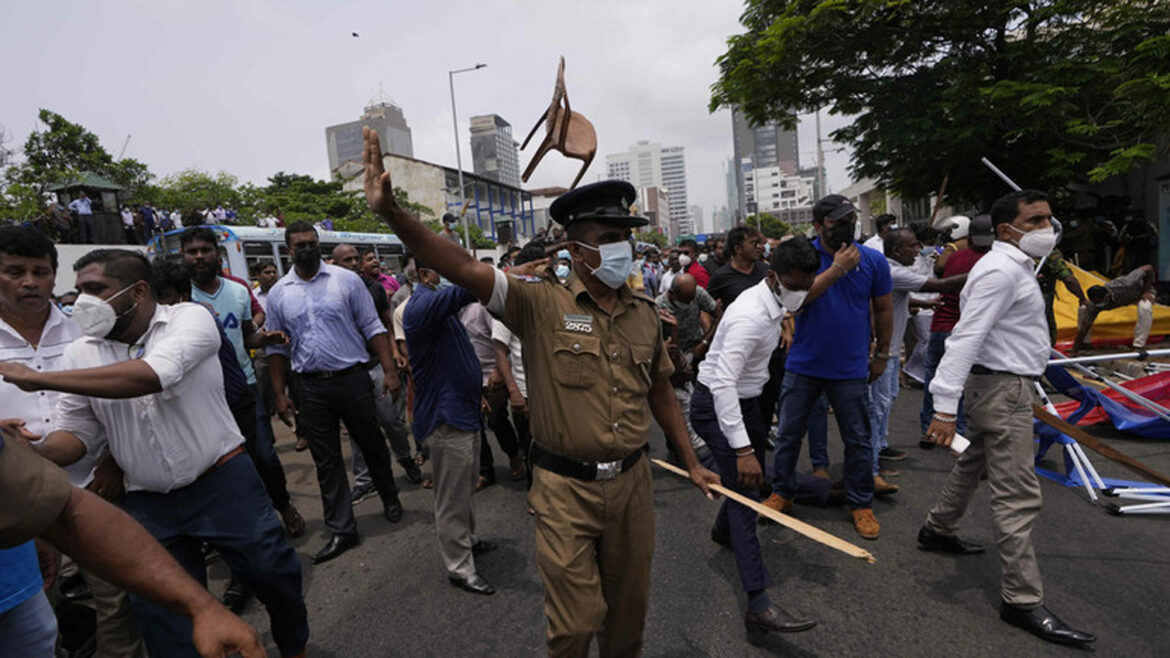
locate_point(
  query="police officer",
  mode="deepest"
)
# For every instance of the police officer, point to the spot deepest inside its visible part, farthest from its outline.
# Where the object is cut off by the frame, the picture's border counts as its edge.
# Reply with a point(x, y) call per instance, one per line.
point(36, 500)
point(594, 351)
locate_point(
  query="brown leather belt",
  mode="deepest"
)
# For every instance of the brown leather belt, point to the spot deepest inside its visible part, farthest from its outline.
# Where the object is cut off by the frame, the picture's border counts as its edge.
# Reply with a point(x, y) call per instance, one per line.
point(238, 450)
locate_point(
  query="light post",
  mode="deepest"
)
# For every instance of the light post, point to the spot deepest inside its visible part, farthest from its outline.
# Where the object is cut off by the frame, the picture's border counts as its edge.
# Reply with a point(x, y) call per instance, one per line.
point(458, 155)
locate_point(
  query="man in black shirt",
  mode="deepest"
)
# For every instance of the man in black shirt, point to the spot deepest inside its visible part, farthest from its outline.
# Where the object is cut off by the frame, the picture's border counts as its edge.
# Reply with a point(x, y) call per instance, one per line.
point(743, 268)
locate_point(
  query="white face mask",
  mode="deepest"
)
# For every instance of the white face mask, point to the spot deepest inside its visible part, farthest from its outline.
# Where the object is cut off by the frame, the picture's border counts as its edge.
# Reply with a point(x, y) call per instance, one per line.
point(1038, 243)
point(96, 316)
point(617, 259)
point(685, 261)
point(791, 300)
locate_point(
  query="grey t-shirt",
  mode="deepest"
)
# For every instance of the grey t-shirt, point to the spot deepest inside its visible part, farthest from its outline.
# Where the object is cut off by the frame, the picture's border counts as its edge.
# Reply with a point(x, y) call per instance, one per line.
point(690, 332)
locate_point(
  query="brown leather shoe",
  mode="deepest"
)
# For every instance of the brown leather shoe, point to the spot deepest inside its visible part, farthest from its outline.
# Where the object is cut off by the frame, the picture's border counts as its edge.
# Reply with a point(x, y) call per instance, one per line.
point(866, 523)
point(822, 473)
point(294, 523)
point(302, 444)
point(779, 503)
point(883, 488)
point(518, 468)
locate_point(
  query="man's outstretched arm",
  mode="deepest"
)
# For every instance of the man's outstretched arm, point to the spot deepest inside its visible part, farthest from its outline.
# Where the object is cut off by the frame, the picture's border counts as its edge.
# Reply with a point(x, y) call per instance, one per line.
point(446, 257)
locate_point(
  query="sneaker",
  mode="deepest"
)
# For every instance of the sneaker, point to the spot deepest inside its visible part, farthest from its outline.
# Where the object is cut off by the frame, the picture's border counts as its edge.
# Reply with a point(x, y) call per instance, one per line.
point(866, 523)
point(302, 444)
point(883, 488)
point(889, 472)
point(891, 455)
point(360, 493)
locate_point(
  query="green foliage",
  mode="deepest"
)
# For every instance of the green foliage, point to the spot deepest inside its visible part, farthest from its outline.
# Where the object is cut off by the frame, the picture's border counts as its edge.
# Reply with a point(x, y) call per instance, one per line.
point(770, 225)
point(192, 190)
point(478, 238)
point(652, 236)
point(1053, 91)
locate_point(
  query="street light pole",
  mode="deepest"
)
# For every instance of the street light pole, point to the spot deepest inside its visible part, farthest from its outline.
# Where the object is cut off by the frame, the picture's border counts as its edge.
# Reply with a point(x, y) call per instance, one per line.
point(458, 154)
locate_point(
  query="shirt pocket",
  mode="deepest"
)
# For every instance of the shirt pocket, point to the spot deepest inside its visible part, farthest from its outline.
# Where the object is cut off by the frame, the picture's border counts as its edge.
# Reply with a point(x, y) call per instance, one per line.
point(576, 359)
point(642, 374)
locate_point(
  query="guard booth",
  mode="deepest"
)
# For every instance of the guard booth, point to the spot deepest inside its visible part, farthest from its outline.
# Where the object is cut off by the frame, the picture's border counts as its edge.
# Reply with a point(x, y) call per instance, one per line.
point(103, 194)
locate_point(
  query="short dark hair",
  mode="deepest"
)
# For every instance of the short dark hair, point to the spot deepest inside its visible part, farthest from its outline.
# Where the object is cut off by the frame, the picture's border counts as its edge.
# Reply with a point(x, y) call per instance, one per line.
point(170, 275)
point(260, 267)
point(894, 239)
point(736, 237)
point(884, 220)
point(1097, 294)
point(531, 251)
point(1007, 207)
point(27, 242)
point(122, 265)
point(298, 227)
point(926, 233)
point(795, 254)
point(194, 233)
point(689, 243)
point(362, 251)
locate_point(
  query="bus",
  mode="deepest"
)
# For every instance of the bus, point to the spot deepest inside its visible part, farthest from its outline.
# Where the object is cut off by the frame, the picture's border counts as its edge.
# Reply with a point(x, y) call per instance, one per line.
point(242, 247)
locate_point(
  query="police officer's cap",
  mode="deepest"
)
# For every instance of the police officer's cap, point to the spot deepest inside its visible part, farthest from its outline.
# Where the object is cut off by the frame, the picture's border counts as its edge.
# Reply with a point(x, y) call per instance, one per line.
point(608, 201)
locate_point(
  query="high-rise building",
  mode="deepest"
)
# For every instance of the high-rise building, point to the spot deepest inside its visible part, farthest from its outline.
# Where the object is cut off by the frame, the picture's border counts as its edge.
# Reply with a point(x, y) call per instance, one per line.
point(773, 190)
point(764, 146)
point(648, 164)
point(344, 141)
point(494, 154)
point(697, 224)
point(654, 204)
point(733, 195)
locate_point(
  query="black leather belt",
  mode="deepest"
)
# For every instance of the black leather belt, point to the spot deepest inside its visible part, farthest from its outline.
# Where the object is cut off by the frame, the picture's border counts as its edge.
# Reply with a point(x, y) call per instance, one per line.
point(327, 374)
point(581, 470)
point(984, 370)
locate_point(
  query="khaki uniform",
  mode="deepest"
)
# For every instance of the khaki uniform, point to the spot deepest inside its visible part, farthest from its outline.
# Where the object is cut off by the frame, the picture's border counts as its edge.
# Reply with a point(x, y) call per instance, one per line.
point(589, 374)
point(33, 492)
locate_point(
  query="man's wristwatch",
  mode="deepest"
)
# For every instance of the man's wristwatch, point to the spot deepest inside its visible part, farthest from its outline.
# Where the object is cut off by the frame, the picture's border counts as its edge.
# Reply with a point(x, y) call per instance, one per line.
point(884, 356)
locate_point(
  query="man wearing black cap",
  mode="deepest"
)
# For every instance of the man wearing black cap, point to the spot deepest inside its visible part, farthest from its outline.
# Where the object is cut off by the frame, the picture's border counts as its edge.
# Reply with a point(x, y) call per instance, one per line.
point(595, 351)
point(835, 352)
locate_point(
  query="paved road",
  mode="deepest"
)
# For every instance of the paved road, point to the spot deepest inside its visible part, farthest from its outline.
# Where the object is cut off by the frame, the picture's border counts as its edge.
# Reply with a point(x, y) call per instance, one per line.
point(390, 597)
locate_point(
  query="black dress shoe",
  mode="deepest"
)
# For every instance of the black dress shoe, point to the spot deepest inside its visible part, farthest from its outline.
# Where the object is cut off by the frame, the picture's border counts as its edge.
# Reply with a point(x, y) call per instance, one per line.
point(1043, 624)
point(929, 540)
point(393, 510)
point(774, 619)
point(473, 584)
point(721, 537)
point(337, 545)
point(483, 546)
point(237, 596)
point(413, 473)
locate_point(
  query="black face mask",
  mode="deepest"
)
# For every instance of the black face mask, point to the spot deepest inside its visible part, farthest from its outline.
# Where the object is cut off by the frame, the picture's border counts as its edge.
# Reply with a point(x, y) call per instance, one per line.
point(307, 256)
point(840, 235)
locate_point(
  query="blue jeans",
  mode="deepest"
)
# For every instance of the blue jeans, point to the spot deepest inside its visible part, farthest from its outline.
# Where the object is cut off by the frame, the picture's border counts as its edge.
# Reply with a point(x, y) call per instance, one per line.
point(734, 519)
point(882, 393)
point(934, 354)
point(229, 510)
point(849, 397)
point(818, 434)
point(29, 629)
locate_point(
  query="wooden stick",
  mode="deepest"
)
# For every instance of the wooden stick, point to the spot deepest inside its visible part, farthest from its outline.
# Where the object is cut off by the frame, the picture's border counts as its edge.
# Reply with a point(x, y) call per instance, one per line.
point(1096, 446)
point(938, 201)
point(812, 532)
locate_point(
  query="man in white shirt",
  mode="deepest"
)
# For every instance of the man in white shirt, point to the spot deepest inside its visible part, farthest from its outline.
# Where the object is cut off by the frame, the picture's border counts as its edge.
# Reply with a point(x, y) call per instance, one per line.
point(901, 248)
point(147, 377)
point(727, 413)
point(83, 207)
point(1001, 341)
point(884, 224)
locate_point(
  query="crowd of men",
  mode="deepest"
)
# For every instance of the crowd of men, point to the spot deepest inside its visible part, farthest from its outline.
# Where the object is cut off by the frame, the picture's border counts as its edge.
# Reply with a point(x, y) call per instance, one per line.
point(154, 387)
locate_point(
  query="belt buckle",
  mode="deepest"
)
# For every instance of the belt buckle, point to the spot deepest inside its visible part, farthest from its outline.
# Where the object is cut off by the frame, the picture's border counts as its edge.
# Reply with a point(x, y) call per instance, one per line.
point(608, 470)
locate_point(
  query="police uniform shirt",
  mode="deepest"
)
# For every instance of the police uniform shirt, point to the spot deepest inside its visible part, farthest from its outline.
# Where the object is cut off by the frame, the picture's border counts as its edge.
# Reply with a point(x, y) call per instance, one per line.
point(33, 492)
point(589, 372)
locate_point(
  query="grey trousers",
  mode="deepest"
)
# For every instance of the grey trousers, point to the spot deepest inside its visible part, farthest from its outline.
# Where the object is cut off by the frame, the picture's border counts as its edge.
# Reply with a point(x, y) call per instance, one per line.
point(455, 466)
point(999, 425)
point(391, 415)
point(117, 629)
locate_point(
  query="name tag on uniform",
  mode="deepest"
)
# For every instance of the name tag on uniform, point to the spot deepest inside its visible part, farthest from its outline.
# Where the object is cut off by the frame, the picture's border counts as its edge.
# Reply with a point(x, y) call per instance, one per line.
point(582, 324)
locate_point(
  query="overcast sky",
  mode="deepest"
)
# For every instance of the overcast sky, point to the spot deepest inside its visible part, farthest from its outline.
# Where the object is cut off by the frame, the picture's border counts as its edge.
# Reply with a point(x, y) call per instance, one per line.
point(248, 86)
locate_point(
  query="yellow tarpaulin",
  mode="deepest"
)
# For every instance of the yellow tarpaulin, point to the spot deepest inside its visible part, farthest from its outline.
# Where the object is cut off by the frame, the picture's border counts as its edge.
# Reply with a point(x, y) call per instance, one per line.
point(1110, 325)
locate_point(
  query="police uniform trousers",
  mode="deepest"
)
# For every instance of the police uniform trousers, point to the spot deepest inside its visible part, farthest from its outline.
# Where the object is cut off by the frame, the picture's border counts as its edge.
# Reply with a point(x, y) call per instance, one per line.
point(999, 422)
point(594, 543)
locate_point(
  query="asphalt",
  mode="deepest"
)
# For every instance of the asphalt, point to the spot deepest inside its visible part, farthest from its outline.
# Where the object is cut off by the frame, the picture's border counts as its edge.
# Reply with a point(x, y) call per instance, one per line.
point(1102, 573)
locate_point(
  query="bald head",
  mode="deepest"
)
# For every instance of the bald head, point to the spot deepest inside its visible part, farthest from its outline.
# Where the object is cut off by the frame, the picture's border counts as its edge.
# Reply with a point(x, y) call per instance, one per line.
point(346, 255)
point(682, 289)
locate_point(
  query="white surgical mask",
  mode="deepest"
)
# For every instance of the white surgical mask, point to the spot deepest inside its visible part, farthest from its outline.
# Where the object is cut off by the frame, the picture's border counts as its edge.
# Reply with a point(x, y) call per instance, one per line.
point(562, 271)
point(685, 261)
point(791, 300)
point(95, 315)
point(1038, 243)
point(617, 259)
point(702, 258)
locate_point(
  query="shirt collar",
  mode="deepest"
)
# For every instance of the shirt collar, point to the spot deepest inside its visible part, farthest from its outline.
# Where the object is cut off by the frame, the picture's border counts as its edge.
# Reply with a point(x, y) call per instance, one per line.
point(771, 304)
point(323, 270)
point(54, 321)
point(577, 287)
point(1012, 251)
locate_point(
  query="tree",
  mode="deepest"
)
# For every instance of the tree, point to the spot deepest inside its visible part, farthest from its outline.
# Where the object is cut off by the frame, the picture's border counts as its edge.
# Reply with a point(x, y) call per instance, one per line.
point(1053, 91)
point(770, 225)
point(191, 190)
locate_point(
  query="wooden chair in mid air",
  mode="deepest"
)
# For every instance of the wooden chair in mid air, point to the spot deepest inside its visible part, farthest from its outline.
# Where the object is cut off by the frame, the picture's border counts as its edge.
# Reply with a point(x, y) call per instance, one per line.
point(565, 130)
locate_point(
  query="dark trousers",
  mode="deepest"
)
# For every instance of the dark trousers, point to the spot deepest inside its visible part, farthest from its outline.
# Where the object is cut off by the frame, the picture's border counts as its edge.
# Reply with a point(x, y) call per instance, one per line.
point(769, 399)
point(513, 434)
point(256, 426)
point(88, 228)
point(936, 346)
point(849, 398)
point(226, 509)
point(348, 398)
point(734, 519)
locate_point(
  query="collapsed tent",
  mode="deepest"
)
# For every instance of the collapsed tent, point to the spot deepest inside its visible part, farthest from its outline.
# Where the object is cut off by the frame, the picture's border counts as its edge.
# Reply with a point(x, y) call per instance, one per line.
point(1112, 327)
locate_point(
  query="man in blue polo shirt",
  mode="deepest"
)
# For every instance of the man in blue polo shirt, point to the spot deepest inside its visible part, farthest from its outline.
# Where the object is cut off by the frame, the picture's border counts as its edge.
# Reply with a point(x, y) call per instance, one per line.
point(834, 352)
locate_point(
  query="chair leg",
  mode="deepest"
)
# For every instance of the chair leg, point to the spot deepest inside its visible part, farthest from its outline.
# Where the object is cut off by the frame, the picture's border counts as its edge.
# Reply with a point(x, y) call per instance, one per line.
point(533, 131)
point(588, 160)
point(545, 146)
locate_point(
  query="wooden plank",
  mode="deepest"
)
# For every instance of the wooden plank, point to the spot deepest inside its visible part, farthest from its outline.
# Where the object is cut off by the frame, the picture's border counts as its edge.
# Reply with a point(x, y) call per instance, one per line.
point(1096, 446)
point(812, 532)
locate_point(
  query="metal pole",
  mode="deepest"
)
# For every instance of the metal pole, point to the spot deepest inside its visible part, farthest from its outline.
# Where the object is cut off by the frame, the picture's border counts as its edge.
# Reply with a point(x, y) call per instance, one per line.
point(1158, 409)
point(458, 159)
point(820, 159)
point(1106, 357)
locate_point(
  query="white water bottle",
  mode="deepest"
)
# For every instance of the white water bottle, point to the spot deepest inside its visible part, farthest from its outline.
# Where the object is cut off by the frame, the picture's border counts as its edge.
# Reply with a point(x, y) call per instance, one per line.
point(959, 443)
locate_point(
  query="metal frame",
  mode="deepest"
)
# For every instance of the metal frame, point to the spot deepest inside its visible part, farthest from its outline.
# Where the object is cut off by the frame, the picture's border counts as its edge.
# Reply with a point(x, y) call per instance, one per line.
point(1157, 500)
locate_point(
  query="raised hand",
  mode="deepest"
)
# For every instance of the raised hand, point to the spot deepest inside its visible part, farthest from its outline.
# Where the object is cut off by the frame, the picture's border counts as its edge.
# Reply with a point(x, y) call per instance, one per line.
point(379, 189)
